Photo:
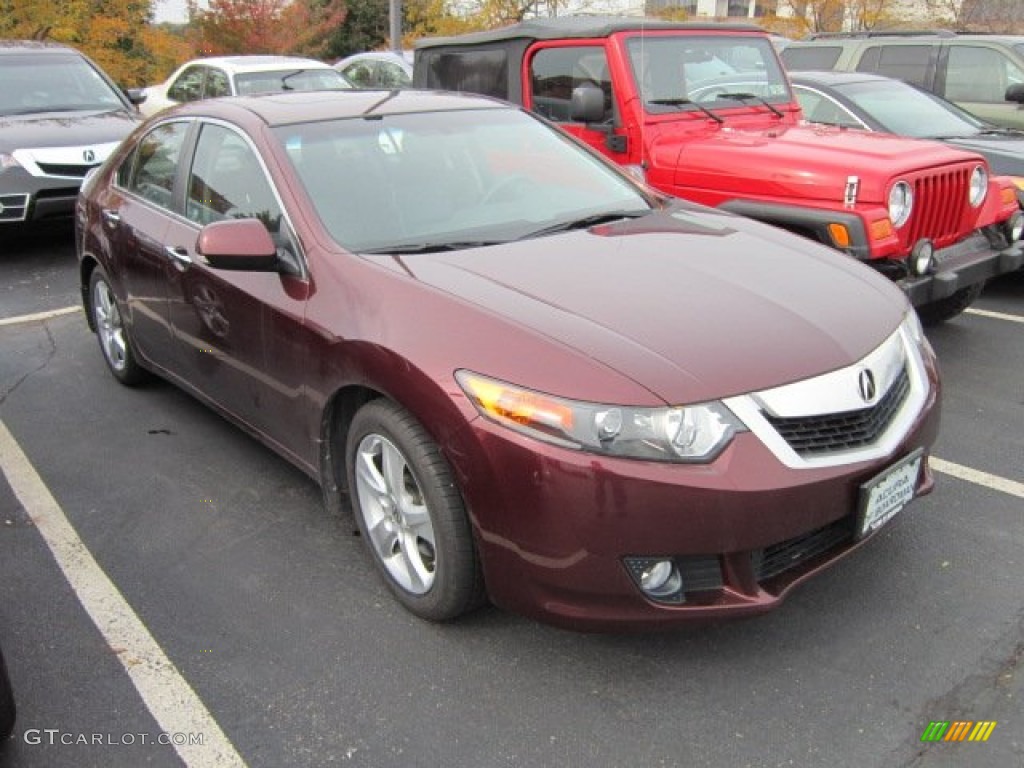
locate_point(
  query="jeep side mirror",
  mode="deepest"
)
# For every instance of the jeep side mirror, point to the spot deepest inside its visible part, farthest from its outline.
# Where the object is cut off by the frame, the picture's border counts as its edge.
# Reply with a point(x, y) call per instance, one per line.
point(587, 105)
point(1015, 93)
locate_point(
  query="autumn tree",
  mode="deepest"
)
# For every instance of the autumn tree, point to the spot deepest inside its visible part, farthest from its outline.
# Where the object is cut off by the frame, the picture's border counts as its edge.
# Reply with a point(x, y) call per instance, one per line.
point(365, 28)
point(116, 34)
point(1001, 16)
point(265, 26)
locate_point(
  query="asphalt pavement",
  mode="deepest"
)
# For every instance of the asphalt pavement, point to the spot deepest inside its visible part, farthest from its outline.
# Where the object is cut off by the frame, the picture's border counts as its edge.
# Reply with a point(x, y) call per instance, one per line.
point(269, 610)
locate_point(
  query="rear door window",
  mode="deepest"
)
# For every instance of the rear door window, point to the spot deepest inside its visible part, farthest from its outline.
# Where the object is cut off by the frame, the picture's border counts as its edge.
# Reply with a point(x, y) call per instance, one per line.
point(911, 63)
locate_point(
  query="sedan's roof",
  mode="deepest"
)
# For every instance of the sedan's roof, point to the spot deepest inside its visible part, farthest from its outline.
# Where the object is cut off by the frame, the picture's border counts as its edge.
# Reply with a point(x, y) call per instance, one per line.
point(260, 63)
point(313, 106)
point(829, 77)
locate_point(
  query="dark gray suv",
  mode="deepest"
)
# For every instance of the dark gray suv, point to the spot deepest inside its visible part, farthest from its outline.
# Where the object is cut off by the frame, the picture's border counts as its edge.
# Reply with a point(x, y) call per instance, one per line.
point(60, 115)
point(984, 74)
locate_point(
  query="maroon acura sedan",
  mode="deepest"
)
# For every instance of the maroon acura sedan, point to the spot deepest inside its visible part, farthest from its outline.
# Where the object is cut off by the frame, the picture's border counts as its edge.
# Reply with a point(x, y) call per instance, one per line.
point(530, 379)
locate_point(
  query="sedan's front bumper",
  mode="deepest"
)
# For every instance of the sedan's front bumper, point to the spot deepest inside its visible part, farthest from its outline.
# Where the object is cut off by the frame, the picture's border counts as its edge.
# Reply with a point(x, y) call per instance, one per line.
point(555, 527)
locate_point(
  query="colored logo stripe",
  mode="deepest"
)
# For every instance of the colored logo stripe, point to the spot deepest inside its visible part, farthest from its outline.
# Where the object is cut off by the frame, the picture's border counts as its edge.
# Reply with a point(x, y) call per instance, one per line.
point(935, 731)
point(958, 730)
point(982, 731)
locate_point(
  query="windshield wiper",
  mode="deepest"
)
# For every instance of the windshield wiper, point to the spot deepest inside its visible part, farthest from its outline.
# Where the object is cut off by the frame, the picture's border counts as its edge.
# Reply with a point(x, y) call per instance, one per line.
point(459, 245)
point(685, 103)
point(749, 97)
point(586, 222)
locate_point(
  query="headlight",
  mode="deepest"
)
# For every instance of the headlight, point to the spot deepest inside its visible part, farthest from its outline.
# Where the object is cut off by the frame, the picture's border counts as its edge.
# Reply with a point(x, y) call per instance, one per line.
point(979, 186)
point(913, 328)
point(692, 433)
point(7, 161)
point(901, 203)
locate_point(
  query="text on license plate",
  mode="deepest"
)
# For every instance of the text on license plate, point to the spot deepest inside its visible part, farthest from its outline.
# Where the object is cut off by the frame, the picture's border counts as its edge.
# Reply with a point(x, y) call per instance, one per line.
point(886, 494)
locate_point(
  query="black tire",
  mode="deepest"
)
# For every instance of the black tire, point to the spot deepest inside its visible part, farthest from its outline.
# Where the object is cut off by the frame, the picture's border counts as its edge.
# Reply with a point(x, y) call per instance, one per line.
point(114, 338)
point(946, 309)
point(8, 711)
point(410, 513)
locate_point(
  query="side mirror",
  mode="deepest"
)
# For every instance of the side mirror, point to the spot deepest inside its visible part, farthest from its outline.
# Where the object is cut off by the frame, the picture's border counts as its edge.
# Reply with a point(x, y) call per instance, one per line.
point(587, 105)
point(136, 95)
point(238, 244)
point(1015, 93)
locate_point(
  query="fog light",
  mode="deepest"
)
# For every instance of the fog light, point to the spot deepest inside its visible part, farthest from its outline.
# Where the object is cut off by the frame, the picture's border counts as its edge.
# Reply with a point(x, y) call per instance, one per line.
point(922, 257)
point(1015, 226)
point(658, 578)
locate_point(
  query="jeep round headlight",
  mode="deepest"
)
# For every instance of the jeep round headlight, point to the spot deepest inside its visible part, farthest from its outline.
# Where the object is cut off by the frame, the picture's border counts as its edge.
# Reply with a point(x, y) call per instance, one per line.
point(901, 203)
point(979, 186)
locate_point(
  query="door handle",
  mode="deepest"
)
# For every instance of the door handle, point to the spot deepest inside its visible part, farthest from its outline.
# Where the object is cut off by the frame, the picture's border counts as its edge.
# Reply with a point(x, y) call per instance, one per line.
point(111, 217)
point(179, 255)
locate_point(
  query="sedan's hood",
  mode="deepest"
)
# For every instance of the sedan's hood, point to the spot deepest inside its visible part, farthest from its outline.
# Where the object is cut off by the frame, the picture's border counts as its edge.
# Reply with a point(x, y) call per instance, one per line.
point(64, 129)
point(1004, 152)
point(692, 304)
point(798, 162)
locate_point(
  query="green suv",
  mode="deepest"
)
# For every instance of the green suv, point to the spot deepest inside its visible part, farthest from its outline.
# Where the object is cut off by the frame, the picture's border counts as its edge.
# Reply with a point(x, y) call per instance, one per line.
point(978, 72)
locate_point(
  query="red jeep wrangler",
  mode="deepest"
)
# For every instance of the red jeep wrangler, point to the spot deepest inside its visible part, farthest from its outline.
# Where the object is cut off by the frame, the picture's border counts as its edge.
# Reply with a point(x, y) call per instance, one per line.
point(705, 112)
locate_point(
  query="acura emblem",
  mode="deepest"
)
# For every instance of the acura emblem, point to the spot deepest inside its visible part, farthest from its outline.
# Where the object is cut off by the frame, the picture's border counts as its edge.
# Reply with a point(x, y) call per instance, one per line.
point(89, 156)
point(866, 384)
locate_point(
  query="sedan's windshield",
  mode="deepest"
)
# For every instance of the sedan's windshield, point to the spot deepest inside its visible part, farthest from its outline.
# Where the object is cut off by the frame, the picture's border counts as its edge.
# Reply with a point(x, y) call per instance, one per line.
point(290, 80)
point(417, 182)
point(53, 82)
point(904, 110)
point(674, 71)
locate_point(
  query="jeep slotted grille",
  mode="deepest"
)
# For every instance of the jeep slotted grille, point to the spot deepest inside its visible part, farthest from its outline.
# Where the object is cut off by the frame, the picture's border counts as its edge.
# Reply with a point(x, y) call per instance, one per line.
point(940, 203)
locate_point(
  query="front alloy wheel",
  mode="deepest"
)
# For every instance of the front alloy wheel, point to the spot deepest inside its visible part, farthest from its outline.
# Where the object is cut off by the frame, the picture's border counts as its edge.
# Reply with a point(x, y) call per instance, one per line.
point(411, 514)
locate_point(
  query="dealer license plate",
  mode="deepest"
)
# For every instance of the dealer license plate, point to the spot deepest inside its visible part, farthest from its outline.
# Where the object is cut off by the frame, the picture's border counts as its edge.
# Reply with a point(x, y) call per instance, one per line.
point(886, 494)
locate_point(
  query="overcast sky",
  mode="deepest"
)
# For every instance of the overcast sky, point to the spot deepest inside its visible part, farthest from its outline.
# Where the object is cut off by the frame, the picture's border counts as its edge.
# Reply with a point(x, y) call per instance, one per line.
point(171, 10)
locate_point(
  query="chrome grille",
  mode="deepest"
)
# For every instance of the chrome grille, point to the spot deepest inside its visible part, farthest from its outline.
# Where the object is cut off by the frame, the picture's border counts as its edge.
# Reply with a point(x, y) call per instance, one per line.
point(829, 433)
point(940, 203)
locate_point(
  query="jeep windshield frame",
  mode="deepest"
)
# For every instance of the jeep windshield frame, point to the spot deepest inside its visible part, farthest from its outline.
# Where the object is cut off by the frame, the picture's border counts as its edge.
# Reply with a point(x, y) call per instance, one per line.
point(676, 72)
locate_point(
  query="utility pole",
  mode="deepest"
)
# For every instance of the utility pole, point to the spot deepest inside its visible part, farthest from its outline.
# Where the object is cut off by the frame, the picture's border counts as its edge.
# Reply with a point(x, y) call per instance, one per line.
point(396, 25)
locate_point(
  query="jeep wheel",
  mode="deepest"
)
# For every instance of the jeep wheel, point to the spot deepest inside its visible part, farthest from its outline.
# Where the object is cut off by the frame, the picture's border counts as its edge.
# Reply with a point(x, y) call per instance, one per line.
point(946, 309)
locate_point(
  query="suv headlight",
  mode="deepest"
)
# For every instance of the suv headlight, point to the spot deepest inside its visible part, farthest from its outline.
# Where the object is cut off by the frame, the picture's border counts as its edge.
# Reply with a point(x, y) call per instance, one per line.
point(8, 161)
point(978, 187)
point(691, 433)
point(901, 203)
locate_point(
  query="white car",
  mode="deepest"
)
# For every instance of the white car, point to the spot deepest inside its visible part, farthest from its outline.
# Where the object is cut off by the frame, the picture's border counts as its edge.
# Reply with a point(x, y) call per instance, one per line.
point(378, 69)
point(240, 76)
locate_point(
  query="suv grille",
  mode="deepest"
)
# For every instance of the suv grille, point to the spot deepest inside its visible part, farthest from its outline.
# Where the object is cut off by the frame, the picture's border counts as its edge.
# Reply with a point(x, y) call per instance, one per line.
point(829, 433)
point(940, 202)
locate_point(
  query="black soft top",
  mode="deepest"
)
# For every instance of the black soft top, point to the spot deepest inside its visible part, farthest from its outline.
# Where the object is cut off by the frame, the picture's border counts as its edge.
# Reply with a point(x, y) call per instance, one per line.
point(580, 27)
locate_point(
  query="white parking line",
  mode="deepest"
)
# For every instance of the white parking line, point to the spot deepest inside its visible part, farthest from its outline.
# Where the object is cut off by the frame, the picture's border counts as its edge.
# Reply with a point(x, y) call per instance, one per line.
point(978, 477)
point(169, 698)
point(995, 315)
point(39, 316)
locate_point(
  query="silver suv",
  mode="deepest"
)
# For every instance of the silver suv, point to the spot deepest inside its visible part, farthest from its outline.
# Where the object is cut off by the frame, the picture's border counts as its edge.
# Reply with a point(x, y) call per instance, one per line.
point(984, 74)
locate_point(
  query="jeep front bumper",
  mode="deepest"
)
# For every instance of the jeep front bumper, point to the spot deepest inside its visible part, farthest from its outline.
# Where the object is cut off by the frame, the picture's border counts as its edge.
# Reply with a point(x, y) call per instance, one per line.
point(972, 260)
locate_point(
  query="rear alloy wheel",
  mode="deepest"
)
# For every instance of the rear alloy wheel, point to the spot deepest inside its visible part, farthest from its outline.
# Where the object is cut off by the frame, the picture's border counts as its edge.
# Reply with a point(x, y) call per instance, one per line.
point(111, 332)
point(946, 309)
point(411, 514)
